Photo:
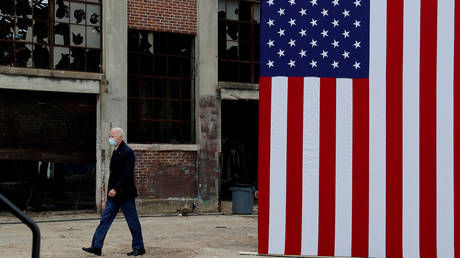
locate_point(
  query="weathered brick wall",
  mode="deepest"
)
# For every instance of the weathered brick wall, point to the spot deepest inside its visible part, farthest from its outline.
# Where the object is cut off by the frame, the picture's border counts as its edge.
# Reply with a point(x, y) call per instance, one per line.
point(178, 16)
point(165, 174)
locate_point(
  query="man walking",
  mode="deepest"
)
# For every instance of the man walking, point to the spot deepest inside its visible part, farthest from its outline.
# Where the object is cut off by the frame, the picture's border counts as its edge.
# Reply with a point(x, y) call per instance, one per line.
point(122, 191)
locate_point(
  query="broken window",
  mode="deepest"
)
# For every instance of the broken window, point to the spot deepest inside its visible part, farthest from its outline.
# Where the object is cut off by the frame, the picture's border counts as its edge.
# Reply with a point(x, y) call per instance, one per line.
point(51, 34)
point(238, 35)
point(160, 87)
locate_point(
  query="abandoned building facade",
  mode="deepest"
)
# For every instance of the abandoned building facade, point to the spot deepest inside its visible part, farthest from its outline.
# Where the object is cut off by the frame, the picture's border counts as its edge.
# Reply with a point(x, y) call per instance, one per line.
point(180, 76)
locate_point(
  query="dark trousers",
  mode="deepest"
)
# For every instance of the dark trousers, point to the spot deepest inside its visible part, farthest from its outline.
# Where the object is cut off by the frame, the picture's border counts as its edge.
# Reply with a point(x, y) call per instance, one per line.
point(128, 207)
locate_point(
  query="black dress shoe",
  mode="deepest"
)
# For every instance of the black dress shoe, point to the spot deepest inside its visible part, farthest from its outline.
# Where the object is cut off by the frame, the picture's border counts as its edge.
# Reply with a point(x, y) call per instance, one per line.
point(92, 250)
point(136, 252)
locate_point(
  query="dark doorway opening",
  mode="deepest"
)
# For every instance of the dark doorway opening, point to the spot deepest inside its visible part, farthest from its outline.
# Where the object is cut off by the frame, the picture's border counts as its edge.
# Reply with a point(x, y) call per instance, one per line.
point(240, 130)
point(48, 149)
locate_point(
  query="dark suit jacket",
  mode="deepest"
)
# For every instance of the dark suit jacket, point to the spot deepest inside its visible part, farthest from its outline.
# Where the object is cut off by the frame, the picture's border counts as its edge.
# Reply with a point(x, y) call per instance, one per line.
point(122, 173)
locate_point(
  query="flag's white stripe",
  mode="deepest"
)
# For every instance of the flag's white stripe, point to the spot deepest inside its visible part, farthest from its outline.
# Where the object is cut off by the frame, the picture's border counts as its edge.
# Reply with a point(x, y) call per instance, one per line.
point(278, 136)
point(310, 185)
point(343, 166)
point(445, 130)
point(377, 128)
point(411, 93)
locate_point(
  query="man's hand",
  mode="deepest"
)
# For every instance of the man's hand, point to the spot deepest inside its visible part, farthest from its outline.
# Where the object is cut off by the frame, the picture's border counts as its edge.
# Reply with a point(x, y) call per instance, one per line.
point(256, 194)
point(112, 193)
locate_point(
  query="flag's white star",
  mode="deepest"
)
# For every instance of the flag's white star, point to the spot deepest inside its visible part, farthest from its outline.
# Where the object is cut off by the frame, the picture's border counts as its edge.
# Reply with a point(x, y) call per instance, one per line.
point(314, 2)
point(324, 33)
point(303, 12)
point(335, 23)
point(302, 33)
point(281, 11)
point(291, 43)
point(346, 54)
point(335, 43)
point(313, 63)
point(346, 13)
point(335, 2)
point(314, 22)
point(357, 23)
point(346, 34)
point(281, 32)
point(280, 53)
point(271, 43)
point(357, 44)
point(313, 43)
point(302, 53)
point(270, 2)
point(291, 63)
point(324, 54)
point(357, 3)
point(325, 12)
point(270, 63)
point(271, 22)
point(357, 65)
point(292, 2)
point(291, 22)
point(335, 64)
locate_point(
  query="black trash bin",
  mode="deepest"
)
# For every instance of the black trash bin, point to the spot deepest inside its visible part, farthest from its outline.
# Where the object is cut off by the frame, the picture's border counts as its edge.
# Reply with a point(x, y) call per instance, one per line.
point(242, 199)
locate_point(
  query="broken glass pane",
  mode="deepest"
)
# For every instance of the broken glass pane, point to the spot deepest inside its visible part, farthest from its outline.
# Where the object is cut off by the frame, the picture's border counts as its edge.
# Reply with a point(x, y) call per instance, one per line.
point(93, 61)
point(146, 41)
point(93, 37)
point(61, 58)
point(257, 13)
point(7, 7)
point(24, 8)
point(221, 9)
point(78, 35)
point(6, 53)
point(23, 55)
point(232, 31)
point(6, 28)
point(62, 34)
point(232, 50)
point(232, 9)
point(94, 15)
point(77, 59)
point(161, 43)
point(41, 32)
point(24, 30)
point(41, 56)
point(41, 9)
point(61, 11)
point(77, 13)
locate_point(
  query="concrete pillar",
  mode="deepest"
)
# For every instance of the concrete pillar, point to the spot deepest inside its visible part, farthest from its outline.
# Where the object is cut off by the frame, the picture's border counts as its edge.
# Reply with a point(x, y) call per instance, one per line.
point(113, 99)
point(208, 104)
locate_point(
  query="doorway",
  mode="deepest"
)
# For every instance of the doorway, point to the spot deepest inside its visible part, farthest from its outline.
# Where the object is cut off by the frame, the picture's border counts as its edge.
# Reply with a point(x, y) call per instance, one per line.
point(240, 135)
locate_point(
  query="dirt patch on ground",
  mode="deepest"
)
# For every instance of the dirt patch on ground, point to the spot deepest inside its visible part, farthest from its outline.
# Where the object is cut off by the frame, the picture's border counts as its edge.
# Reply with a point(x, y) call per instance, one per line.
point(164, 236)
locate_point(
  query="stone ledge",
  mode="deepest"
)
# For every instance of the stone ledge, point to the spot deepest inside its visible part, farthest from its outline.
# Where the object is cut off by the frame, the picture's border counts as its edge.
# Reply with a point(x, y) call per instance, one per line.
point(164, 147)
point(50, 73)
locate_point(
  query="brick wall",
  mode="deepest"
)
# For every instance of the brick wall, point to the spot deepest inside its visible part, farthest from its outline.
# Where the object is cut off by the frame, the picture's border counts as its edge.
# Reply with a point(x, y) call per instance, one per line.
point(165, 174)
point(178, 16)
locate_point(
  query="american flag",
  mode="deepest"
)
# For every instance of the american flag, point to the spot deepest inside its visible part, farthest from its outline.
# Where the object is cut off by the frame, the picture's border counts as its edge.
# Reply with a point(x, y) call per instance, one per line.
point(358, 128)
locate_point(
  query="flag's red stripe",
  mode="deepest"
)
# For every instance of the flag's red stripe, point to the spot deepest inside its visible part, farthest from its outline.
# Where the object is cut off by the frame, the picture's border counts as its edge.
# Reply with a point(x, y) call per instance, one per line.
point(360, 201)
point(265, 98)
point(327, 135)
point(395, 11)
point(457, 131)
point(428, 36)
point(294, 166)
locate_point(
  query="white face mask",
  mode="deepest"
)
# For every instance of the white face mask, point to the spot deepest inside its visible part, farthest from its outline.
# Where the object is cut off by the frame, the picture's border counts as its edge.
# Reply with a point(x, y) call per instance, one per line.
point(112, 141)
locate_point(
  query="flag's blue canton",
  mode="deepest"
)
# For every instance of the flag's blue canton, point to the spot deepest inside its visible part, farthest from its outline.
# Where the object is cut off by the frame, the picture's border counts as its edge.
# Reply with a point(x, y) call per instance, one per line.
point(320, 38)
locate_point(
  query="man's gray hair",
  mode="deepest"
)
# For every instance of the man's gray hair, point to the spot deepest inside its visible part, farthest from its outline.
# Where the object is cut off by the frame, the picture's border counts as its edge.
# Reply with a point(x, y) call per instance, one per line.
point(119, 131)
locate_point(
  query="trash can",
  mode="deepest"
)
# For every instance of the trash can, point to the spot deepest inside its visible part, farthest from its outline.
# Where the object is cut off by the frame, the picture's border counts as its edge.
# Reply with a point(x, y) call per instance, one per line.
point(242, 199)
